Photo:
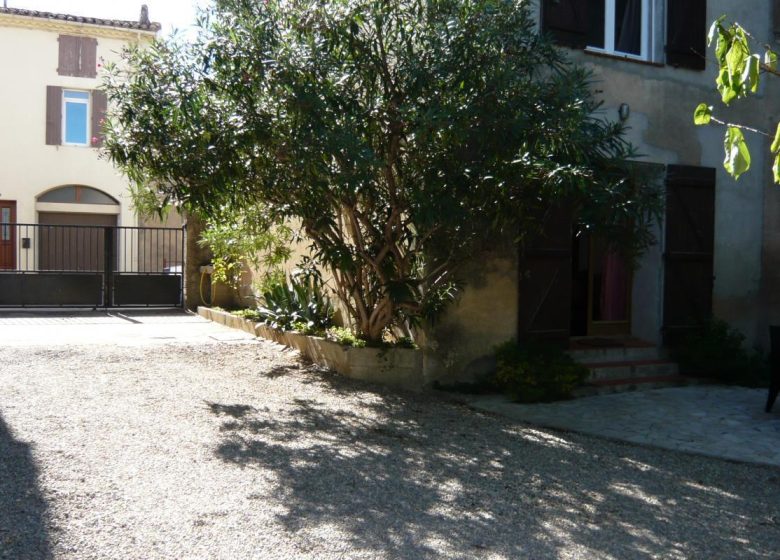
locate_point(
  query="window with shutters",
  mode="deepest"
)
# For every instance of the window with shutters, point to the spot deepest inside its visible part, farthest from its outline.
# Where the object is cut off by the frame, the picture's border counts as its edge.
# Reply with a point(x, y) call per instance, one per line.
point(74, 117)
point(77, 56)
point(620, 27)
point(632, 29)
point(75, 121)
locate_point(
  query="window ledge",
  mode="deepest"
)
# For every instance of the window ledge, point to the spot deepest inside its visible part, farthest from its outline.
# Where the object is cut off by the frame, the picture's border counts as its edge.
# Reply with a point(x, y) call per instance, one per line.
point(625, 58)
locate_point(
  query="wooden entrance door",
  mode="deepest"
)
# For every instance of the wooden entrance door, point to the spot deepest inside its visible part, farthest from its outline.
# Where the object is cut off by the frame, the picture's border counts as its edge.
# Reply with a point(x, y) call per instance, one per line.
point(690, 232)
point(7, 235)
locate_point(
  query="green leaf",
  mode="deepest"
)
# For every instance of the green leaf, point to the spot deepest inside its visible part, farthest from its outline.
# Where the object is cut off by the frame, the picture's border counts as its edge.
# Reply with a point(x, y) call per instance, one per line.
point(770, 59)
point(750, 74)
point(737, 154)
point(735, 63)
point(775, 147)
point(703, 114)
point(728, 93)
point(776, 169)
point(722, 47)
point(714, 30)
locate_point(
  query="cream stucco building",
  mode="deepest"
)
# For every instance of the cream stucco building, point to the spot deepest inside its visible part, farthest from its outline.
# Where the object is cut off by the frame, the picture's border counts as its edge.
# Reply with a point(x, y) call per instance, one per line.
point(51, 111)
point(68, 230)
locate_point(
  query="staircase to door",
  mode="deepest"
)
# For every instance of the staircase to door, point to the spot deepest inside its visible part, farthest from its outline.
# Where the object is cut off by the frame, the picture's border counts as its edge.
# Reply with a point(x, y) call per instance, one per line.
point(619, 364)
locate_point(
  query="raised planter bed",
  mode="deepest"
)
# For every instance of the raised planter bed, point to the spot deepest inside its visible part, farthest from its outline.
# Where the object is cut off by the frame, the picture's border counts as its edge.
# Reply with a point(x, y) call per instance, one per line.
point(399, 367)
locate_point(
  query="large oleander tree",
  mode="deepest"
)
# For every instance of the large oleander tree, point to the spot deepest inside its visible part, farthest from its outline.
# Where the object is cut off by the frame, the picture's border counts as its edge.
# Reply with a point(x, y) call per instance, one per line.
point(403, 135)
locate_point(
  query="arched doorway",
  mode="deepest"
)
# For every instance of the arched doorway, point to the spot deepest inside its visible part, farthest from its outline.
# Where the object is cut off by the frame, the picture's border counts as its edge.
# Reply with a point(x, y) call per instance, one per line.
point(76, 215)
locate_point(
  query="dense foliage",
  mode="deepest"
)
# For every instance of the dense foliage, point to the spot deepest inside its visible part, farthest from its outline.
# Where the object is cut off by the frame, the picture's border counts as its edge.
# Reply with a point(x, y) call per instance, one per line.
point(717, 350)
point(238, 237)
point(739, 75)
point(296, 303)
point(535, 372)
point(403, 135)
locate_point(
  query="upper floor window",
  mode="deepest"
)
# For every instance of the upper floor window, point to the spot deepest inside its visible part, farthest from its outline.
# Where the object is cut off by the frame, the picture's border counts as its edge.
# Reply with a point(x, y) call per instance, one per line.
point(632, 28)
point(620, 27)
point(77, 56)
point(75, 117)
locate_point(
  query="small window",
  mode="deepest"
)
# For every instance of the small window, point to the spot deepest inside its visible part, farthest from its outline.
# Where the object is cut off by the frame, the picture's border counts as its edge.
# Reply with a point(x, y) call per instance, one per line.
point(75, 117)
point(5, 219)
point(632, 29)
point(620, 27)
point(77, 194)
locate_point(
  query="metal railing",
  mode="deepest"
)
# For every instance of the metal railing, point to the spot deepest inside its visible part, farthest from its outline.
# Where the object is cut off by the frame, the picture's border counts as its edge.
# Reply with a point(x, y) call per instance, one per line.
point(114, 253)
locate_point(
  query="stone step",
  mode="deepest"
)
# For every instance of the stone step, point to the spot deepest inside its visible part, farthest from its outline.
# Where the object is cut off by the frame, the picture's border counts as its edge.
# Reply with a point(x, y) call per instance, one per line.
point(603, 371)
point(609, 386)
point(617, 354)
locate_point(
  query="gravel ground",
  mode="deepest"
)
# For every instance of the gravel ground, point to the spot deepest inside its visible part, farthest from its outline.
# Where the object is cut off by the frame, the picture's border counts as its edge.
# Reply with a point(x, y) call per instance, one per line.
point(236, 450)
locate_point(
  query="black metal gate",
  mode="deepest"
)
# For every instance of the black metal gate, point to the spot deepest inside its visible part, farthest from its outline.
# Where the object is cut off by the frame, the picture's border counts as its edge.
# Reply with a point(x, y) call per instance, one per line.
point(91, 266)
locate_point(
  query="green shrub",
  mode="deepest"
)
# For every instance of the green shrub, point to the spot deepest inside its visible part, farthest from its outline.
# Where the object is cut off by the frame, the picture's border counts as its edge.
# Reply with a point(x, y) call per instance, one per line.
point(345, 337)
point(536, 372)
point(308, 329)
point(717, 350)
point(251, 314)
point(298, 301)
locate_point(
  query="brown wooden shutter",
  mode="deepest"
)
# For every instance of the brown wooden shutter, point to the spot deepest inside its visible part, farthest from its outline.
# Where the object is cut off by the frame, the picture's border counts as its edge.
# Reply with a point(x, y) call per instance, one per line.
point(686, 33)
point(88, 60)
point(53, 115)
point(70, 48)
point(688, 255)
point(544, 284)
point(566, 21)
point(99, 104)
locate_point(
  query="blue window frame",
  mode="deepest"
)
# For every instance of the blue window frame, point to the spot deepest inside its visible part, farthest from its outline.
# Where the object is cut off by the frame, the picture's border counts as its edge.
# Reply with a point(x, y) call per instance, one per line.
point(75, 117)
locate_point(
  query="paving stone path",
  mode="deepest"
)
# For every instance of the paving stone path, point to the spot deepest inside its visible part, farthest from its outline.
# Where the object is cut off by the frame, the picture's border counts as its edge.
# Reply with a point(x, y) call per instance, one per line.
point(725, 422)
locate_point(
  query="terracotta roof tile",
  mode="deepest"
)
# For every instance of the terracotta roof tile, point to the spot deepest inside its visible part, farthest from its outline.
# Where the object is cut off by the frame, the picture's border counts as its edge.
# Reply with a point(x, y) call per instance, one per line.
point(151, 26)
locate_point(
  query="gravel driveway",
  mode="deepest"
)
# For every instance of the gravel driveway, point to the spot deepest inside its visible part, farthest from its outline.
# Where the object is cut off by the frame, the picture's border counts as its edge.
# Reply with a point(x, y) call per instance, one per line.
point(235, 450)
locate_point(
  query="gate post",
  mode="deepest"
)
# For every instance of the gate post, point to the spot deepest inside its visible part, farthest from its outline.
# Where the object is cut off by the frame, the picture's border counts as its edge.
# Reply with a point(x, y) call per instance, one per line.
point(108, 266)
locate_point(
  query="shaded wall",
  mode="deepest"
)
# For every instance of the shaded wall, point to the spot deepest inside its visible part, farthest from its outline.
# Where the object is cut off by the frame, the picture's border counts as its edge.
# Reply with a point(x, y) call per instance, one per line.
point(662, 100)
point(459, 346)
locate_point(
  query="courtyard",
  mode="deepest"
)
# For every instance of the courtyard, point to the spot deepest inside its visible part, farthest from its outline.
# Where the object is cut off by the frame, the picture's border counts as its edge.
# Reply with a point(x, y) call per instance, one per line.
point(166, 436)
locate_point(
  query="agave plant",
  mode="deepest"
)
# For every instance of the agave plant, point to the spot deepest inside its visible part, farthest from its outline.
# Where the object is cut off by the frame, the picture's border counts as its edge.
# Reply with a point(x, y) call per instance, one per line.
point(297, 300)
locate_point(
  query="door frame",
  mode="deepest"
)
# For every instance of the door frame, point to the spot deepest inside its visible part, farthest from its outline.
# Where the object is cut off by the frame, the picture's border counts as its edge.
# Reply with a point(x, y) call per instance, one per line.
point(12, 238)
point(607, 328)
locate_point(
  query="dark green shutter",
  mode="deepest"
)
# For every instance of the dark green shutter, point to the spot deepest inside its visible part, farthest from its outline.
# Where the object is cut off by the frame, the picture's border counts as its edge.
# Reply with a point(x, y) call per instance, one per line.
point(566, 21)
point(686, 33)
point(688, 254)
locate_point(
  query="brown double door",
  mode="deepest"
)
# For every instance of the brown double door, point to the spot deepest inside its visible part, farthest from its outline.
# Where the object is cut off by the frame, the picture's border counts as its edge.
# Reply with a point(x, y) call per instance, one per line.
point(7, 235)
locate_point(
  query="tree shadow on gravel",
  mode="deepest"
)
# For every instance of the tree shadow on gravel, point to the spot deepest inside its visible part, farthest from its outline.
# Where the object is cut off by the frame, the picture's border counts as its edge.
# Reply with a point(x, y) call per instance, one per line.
point(415, 477)
point(23, 511)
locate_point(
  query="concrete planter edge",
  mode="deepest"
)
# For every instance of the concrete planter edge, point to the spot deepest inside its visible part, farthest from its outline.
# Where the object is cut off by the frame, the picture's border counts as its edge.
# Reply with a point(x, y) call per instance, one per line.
point(397, 367)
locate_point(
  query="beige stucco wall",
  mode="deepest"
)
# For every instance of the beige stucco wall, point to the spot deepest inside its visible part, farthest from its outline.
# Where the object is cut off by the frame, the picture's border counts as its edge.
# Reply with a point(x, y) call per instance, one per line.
point(28, 166)
point(458, 346)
